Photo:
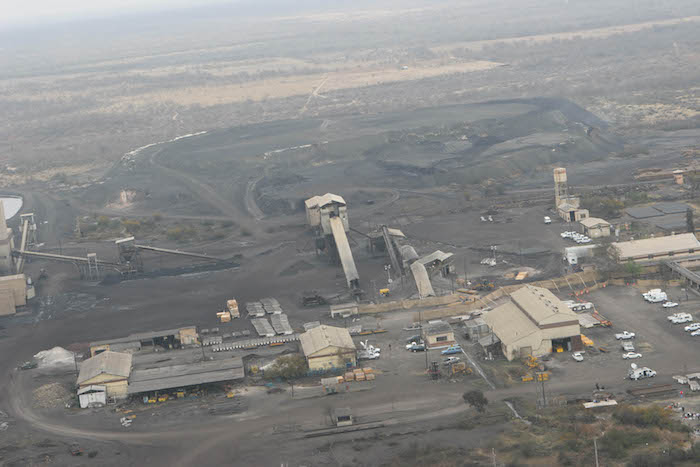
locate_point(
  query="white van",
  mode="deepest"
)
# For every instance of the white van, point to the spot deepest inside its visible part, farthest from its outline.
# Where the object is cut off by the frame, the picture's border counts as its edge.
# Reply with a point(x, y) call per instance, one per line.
point(547, 220)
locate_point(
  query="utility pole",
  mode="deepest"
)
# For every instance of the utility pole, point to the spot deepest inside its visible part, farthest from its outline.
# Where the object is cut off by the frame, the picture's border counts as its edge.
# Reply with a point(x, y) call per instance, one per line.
point(493, 456)
point(595, 447)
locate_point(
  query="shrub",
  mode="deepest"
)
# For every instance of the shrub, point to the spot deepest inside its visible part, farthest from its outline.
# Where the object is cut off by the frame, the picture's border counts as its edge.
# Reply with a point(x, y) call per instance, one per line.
point(287, 367)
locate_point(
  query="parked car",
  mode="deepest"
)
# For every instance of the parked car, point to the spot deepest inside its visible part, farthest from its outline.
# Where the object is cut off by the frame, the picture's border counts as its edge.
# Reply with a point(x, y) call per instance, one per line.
point(629, 355)
point(670, 305)
point(547, 220)
point(577, 356)
point(416, 338)
point(628, 346)
point(415, 347)
point(682, 319)
point(640, 373)
point(676, 316)
point(624, 335)
point(452, 350)
point(692, 327)
point(450, 360)
point(695, 333)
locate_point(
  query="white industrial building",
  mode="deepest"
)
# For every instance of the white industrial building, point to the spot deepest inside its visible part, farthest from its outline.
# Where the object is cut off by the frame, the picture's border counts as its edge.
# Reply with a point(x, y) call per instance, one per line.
point(658, 248)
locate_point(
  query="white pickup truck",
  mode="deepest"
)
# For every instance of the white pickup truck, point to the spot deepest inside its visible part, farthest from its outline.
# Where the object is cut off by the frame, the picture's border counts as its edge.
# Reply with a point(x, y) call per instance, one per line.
point(624, 335)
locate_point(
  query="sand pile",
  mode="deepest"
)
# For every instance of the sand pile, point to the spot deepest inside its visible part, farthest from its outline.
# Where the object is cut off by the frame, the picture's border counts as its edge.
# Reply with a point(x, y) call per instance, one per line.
point(58, 357)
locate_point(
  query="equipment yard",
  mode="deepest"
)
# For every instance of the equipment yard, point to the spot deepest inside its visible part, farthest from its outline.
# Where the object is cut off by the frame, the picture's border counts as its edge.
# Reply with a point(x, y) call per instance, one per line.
point(419, 247)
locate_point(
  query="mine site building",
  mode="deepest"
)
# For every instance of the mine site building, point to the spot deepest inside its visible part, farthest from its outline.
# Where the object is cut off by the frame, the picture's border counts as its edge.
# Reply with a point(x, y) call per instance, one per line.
point(595, 227)
point(342, 416)
point(13, 293)
point(165, 340)
point(328, 347)
point(108, 369)
point(438, 334)
point(91, 396)
point(658, 248)
point(534, 322)
point(174, 377)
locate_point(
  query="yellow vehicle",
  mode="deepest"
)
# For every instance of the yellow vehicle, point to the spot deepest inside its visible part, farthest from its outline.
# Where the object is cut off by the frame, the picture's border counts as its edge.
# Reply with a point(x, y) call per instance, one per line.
point(460, 368)
point(152, 400)
point(162, 398)
point(531, 361)
point(542, 376)
point(384, 292)
point(230, 394)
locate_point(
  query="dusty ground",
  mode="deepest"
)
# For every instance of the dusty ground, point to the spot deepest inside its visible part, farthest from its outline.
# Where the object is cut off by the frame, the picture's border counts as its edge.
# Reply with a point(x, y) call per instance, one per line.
point(413, 147)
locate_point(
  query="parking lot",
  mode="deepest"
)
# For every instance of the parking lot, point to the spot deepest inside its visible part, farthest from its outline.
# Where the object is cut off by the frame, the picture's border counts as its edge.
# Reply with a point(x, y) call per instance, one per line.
point(665, 347)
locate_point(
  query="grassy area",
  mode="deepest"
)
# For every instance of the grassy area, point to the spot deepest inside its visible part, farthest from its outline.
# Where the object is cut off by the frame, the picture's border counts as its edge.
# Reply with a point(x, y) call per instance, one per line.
point(634, 436)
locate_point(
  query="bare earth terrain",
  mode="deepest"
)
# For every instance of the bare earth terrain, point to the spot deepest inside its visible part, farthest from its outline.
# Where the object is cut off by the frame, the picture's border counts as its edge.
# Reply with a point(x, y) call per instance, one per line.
point(205, 131)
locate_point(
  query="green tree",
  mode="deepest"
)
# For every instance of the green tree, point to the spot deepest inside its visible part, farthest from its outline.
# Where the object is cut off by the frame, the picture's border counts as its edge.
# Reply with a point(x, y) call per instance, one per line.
point(689, 221)
point(475, 398)
point(632, 268)
point(287, 367)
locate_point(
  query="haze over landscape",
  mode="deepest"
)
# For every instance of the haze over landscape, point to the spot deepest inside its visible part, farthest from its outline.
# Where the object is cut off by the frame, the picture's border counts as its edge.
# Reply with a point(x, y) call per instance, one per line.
point(210, 140)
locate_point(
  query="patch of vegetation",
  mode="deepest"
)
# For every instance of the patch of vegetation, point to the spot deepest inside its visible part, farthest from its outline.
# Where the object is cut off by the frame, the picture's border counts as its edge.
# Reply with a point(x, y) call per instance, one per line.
point(475, 398)
point(287, 367)
point(602, 206)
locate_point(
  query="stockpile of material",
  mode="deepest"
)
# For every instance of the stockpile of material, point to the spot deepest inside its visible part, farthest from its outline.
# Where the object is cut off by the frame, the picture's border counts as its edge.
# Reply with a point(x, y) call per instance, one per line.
point(57, 357)
point(358, 374)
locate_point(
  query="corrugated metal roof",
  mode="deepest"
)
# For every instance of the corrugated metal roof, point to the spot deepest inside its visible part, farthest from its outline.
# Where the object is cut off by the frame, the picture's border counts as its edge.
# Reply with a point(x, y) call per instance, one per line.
point(329, 198)
point(439, 327)
point(657, 246)
point(312, 202)
point(108, 363)
point(420, 275)
point(542, 306)
point(435, 256)
point(91, 388)
point(594, 222)
point(643, 212)
point(143, 336)
point(323, 336)
point(177, 376)
point(510, 324)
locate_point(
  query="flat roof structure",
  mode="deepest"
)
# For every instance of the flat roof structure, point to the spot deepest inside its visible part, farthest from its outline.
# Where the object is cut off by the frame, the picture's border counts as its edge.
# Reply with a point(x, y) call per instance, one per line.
point(643, 212)
point(671, 208)
point(657, 246)
point(177, 376)
point(439, 327)
point(142, 336)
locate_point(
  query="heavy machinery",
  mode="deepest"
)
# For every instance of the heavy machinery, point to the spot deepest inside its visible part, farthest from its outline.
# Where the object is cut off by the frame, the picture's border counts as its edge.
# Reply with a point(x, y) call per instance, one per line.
point(484, 286)
point(460, 368)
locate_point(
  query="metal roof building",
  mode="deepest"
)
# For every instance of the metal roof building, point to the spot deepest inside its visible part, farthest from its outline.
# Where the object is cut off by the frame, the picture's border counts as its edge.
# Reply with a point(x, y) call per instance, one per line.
point(534, 321)
point(327, 347)
point(658, 247)
point(108, 369)
point(178, 376)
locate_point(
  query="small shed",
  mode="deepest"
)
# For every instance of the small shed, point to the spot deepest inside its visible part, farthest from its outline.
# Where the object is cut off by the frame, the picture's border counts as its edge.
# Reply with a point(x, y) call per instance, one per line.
point(342, 416)
point(438, 334)
point(595, 227)
point(91, 396)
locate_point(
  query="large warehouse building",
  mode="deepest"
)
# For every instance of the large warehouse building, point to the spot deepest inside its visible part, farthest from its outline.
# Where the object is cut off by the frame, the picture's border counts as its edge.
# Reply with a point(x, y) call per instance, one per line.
point(327, 347)
point(534, 322)
point(658, 248)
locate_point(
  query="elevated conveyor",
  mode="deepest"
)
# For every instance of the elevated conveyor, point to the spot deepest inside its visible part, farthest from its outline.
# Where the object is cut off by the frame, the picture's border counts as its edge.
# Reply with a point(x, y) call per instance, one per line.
point(179, 252)
point(344, 252)
point(420, 275)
